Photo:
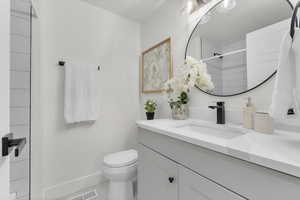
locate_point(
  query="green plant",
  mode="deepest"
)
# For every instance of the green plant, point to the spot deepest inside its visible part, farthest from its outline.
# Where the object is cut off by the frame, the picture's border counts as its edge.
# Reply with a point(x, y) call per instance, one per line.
point(182, 99)
point(150, 106)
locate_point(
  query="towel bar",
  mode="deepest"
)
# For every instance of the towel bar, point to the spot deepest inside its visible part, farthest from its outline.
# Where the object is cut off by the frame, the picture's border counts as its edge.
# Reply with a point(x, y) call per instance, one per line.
point(62, 63)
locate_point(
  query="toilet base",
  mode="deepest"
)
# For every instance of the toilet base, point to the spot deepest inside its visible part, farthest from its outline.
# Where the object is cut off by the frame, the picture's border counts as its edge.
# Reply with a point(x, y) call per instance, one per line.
point(121, 190)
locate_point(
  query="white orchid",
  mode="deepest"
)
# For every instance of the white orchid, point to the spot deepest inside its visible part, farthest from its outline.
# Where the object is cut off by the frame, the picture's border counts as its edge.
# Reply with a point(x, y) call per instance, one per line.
point(174, 88)
point(192, 73)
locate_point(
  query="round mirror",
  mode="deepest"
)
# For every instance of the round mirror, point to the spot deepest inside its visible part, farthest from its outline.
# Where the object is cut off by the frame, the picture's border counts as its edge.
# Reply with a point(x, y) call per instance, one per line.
point(239, 41)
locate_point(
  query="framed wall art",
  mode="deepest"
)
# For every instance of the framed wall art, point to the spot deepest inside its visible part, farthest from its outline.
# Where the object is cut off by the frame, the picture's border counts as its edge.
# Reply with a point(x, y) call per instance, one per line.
point(156, 67)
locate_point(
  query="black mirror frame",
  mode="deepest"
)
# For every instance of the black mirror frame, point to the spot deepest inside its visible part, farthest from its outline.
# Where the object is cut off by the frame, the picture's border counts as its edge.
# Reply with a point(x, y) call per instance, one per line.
point(231, 95)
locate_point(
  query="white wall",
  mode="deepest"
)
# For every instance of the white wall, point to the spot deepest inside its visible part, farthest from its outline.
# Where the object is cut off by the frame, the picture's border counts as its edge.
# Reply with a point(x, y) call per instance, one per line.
point(168, 21)
point(72, 29)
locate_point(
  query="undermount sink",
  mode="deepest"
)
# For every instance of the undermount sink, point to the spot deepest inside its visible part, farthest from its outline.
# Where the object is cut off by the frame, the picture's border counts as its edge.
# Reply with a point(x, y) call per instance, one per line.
point(219, 131)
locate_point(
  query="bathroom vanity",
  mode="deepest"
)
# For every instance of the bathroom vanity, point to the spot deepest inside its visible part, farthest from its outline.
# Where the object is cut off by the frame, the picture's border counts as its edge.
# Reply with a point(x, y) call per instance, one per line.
point(187, 160)
point(200, 160)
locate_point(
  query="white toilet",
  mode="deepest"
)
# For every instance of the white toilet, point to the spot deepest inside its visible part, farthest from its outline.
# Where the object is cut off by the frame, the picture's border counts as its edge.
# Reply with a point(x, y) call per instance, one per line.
point(121, 171)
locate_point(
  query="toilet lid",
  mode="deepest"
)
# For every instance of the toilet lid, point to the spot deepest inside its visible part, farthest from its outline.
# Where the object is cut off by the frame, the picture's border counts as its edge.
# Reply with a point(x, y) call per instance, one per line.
point(121, 159)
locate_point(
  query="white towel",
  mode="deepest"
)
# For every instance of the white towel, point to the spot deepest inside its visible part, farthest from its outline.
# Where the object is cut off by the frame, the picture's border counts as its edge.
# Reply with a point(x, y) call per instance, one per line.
point(80, 93)
point(287, 85)
point(282, 98)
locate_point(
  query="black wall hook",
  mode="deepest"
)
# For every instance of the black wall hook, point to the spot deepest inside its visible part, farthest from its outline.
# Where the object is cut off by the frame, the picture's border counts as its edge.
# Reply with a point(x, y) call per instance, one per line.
point(61, 63)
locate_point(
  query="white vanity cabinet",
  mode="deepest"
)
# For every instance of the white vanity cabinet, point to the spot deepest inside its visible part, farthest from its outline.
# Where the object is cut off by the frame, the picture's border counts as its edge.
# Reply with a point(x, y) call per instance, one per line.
point(161, 178)
point(198, 173)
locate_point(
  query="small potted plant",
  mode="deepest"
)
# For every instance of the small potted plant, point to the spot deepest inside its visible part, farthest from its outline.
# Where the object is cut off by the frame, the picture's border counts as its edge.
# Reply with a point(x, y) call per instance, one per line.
point(150, 107)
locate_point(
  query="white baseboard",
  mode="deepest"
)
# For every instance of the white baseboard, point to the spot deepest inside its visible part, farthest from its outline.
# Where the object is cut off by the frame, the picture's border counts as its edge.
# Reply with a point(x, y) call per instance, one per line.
point(72, 186)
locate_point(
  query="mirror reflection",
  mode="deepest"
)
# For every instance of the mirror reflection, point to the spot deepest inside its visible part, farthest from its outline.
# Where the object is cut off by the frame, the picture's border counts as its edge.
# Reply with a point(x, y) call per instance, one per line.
point(239, 40)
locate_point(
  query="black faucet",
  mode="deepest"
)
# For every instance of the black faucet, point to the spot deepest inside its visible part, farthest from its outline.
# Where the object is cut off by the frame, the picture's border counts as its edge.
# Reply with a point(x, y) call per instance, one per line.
point(220, 112)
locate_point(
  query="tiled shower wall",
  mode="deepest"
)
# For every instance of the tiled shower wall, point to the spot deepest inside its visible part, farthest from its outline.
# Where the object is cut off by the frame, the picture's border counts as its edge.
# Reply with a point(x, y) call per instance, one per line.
point(20, 94)
point(229, 74)
point(234, 68)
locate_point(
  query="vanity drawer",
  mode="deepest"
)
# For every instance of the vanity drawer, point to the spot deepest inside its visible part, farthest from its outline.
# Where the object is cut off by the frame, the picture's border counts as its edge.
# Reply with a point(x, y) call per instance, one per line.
point(194, 186)
point(157, 176)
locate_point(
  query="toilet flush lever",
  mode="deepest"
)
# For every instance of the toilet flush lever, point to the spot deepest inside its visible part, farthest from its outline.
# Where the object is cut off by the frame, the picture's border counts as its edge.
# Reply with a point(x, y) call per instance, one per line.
point(8, 143)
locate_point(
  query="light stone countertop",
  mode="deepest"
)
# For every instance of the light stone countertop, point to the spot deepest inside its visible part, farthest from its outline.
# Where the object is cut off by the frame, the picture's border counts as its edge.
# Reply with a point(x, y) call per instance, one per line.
point(279, 151)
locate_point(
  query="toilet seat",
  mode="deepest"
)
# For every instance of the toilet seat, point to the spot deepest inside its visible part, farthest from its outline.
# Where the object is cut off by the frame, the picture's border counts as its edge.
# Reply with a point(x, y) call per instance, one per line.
point(121, 159)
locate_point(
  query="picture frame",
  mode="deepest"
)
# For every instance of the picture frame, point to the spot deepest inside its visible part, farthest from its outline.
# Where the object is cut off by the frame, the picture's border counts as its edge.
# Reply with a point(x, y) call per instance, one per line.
point(156, 67)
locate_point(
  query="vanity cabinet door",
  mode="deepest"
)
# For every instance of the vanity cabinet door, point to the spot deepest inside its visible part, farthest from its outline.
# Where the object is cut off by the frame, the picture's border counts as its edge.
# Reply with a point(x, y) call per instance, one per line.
point(196, 187)
point(157, 176)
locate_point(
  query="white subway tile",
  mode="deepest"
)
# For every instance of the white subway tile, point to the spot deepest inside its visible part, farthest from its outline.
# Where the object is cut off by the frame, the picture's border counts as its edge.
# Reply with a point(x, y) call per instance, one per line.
point(19, 116)
point(24, 198)
point(19, 98)
point(21, 187)
point(20, 94)
point(19, 80)
point(20, 131)
point(19, 62)
point(20, 26)
point(21, 5)
point(19, 170)
point(20, 44)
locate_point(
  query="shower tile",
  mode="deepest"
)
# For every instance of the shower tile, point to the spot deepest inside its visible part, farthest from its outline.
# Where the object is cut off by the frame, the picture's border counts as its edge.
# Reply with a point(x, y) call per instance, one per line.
point(21, 187)
point(19, 116)
point(20, 94)
point(20, 44)
point(20, 131)
point(19, 170)
point(21, 5)
point(23, 198)
point(19, 62)
point(19, 98)
point(20, 80)
point(20, 25)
